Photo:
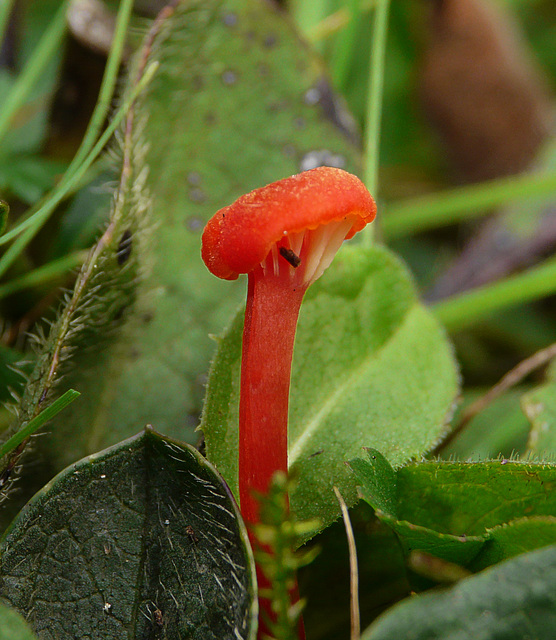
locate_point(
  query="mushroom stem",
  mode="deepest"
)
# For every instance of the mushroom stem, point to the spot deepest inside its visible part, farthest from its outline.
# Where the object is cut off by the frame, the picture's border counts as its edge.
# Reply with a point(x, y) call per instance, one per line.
point(268, 338)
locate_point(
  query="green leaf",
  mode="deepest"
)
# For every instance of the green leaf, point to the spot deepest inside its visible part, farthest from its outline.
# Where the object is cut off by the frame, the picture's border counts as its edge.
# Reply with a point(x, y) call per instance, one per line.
point(371, 367)
point(380, 490)
point(474, 514)
point(139, 540)
point(539, 406)
point(13, 626)
point(511, 601)
point(516, 537)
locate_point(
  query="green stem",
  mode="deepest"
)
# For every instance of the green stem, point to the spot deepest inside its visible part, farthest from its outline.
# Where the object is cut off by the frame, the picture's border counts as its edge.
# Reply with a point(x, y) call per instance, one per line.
point(48, 46)
point(374, 102)
point(463, 203)
point(466, 309)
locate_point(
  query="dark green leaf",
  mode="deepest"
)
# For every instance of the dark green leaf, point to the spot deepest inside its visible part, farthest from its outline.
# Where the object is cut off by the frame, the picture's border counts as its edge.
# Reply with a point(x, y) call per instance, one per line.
point(139, 540)
point(512, 601)
point(371, 367)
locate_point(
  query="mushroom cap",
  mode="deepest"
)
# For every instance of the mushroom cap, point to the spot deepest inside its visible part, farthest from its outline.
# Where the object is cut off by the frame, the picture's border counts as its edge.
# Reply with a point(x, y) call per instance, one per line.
point(239, 237)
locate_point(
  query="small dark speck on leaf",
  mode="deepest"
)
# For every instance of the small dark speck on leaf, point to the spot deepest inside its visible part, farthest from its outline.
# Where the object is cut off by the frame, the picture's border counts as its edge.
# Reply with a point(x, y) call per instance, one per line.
point(197, 195)
point(316, 453)
point(229, 77)
point(157, 614)
point(270, 41)
point(194, 178)
point(124, 247)
point(191, 534)
point(195, 223)
point(230, 19)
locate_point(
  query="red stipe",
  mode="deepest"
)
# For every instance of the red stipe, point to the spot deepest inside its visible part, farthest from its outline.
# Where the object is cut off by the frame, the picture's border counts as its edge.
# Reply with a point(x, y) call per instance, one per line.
point(284, 236)
point(268, 337)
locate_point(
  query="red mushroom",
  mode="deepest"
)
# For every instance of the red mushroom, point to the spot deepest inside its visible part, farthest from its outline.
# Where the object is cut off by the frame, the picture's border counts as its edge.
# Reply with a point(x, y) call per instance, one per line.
point(284, 236)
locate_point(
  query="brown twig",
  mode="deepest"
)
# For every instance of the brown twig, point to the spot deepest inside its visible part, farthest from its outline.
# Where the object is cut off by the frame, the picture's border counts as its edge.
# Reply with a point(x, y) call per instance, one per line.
point(513, 377)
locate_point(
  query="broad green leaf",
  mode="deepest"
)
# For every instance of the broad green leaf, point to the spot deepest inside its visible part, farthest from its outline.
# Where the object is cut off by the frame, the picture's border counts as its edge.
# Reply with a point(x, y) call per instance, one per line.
point(13, 626)
point(511, 601)
point(469, 498)
point(539, 406)
point(238, 101)
point(371, 368)
point(140, 540)
point(380, 489)
point(474, 514)
point(517, 537)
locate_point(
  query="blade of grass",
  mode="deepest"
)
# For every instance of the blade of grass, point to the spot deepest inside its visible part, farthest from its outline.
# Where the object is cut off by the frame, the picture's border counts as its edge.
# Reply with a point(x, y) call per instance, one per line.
point(345, 46)
point(468, 308)
point(5, 12)
point(65, 186)
point(93, 129)
point(45, 273)
point(36, 423)
point(48, 46)
point(374, 103)
point(463, 203)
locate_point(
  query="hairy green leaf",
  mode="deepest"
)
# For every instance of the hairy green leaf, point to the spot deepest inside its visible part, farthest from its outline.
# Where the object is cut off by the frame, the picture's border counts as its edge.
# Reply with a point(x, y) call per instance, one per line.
point(371, 367)
point(512, 601)
point(140, 540)
point(474, 514)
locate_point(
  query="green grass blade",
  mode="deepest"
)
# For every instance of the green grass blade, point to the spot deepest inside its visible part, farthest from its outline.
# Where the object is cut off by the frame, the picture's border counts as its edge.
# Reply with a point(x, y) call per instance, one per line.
point(32, 225)
point(43, 274)
point(466, 309)
point(36, 423)
point(44, 209)
point(45, 50)
point(346, 44)
point(463, 203)
point(5, 11)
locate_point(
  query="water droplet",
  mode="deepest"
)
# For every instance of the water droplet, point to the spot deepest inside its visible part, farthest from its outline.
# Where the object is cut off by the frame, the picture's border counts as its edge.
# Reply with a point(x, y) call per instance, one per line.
point(230, 19)
point(195, 223)
point(321, 158)
point(229, 77)
point(312, 96)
